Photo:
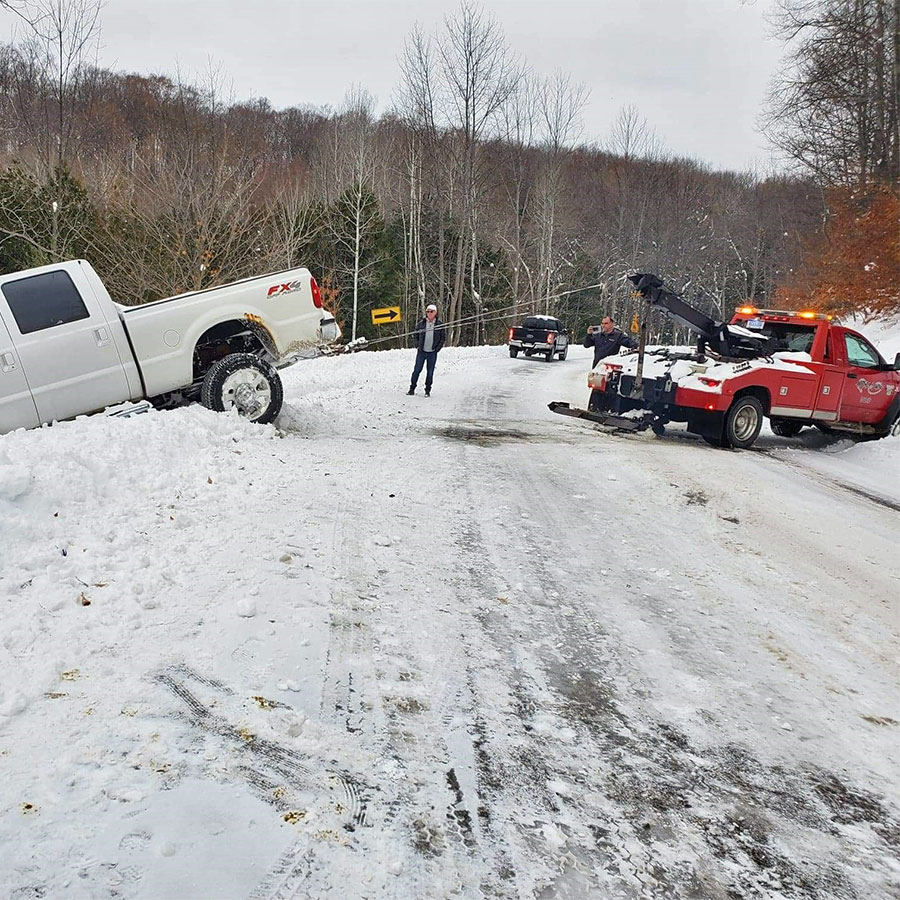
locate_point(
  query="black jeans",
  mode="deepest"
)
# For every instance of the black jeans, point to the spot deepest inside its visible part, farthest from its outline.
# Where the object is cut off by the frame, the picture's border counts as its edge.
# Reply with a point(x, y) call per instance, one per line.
point(427, 359)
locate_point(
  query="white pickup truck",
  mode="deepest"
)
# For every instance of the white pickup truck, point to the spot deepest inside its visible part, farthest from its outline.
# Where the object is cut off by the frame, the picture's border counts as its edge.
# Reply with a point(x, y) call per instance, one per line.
point(67, 349)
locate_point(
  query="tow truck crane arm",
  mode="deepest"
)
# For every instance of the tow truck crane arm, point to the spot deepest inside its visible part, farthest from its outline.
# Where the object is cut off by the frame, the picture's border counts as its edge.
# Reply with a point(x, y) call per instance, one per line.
point(721, 340)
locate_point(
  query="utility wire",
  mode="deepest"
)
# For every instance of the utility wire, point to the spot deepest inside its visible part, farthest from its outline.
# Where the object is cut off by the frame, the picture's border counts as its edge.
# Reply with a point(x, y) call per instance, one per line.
point(496, 314)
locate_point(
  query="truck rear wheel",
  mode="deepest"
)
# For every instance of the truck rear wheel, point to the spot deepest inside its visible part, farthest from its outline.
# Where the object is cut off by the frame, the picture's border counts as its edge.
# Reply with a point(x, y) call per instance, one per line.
point(743, 422)
point(513, 352)
point(246, 383)
point(549, 356)
point(565, 352)
point(599, 401)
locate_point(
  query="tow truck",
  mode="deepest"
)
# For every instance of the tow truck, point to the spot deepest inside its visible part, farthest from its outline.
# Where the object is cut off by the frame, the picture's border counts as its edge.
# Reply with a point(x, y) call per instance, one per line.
point(798, 368)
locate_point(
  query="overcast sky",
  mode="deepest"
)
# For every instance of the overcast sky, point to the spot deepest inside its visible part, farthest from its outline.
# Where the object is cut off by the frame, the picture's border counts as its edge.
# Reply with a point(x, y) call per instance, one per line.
point(698, 70)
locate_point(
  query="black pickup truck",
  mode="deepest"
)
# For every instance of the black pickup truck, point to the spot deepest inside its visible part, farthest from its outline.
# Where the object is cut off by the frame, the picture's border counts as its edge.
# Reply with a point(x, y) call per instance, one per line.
point(539, 336)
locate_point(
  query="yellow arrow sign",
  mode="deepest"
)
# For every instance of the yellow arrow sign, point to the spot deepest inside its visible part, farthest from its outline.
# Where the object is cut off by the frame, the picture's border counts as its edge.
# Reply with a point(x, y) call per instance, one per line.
point(386, 315)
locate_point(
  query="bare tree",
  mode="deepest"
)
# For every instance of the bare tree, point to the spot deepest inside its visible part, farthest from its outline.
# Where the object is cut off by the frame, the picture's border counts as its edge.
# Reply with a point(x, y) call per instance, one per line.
point(478, 75)
point(560, 105)
point(352, 163)
point(294, 222)
point(834, 109)
point(62, 38)
point(416, 105)
point(520, 118)
point(17, 7)
point(52, 79)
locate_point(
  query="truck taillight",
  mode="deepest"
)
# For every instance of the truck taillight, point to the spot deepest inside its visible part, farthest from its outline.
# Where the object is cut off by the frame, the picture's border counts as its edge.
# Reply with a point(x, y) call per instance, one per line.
point(316, 293)
point(709, 382)
point(510, 334)
point(551, 337)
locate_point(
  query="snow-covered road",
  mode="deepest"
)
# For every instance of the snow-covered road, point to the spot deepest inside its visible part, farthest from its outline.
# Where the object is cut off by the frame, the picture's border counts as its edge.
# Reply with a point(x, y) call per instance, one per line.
point(457, 646)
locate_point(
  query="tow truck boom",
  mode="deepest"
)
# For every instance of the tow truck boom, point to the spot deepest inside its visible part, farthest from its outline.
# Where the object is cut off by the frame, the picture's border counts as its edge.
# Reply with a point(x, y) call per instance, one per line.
point(721, 340)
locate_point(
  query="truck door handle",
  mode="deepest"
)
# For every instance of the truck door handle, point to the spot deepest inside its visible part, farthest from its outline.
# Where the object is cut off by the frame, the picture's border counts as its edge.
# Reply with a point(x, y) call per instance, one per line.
point(9, 362)
point(101, 336)
point(852, 375)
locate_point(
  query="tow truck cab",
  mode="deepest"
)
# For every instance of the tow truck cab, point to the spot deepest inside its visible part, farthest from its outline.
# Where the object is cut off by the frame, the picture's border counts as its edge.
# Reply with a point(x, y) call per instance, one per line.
point(853, 388)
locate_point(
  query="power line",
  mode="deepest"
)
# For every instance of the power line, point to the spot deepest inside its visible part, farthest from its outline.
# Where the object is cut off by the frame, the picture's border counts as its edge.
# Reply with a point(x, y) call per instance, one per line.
point(496, 314)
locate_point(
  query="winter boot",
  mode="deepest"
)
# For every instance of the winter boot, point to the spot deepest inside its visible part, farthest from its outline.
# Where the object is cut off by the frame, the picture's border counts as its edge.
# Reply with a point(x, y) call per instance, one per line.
point(410, 392)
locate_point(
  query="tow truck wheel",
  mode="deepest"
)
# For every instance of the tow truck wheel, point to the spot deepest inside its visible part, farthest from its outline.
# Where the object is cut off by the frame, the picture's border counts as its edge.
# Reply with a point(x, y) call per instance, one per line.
point(785, 428)
point(513, 352)
point(743, 422)
point(246, 383)
point(598, 401)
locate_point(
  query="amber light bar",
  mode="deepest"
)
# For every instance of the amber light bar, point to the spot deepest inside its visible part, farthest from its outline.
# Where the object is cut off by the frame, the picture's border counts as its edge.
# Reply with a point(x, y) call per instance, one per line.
point(804, 314)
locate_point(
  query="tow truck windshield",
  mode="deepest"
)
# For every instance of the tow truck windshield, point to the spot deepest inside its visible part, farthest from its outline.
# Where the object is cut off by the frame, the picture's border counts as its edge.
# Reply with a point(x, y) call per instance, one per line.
point(785, 336)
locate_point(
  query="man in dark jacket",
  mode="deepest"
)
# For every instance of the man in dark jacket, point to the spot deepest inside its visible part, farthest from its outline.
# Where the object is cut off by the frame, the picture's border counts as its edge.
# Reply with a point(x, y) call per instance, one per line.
point(430, 334)
point(607, 340)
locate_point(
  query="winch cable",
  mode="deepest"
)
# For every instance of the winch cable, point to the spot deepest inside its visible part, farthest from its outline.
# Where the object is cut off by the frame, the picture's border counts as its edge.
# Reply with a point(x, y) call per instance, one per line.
point(515, 309)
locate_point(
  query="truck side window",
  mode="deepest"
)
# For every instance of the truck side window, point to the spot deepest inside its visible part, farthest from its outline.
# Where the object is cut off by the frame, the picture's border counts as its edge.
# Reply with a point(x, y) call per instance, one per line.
point(861, 353)
point(44, 301)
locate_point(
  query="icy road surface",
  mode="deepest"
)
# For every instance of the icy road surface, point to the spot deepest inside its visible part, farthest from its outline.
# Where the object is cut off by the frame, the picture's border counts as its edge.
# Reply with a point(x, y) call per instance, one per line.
point(399, 647)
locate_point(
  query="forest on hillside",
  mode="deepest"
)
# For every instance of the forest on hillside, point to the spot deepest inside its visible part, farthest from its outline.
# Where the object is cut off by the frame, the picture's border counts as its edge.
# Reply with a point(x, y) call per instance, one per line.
point(473, 191)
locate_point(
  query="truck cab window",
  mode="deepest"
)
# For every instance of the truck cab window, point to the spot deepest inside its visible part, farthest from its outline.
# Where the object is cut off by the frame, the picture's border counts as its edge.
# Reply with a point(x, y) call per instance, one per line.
point(861, 353)
point(44, 301)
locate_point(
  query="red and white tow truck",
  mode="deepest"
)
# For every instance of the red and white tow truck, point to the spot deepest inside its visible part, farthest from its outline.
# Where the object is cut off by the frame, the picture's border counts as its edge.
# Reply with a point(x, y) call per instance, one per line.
point(796, 368)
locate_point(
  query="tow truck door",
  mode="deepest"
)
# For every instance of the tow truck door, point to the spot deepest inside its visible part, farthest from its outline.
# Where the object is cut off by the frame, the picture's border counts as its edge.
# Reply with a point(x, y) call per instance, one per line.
point(828, 400)
point(868, 389)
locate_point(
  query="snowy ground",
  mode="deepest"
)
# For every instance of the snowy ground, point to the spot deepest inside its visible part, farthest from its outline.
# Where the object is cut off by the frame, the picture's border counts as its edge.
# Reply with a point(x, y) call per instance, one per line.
point(459, 646)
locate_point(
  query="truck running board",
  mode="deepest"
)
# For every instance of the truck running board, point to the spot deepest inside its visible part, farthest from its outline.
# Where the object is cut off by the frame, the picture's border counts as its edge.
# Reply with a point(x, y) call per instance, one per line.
point(620, 422)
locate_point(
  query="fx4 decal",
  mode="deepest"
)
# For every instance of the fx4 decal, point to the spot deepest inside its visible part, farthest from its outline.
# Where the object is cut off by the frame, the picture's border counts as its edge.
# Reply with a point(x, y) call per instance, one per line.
point(288, 288)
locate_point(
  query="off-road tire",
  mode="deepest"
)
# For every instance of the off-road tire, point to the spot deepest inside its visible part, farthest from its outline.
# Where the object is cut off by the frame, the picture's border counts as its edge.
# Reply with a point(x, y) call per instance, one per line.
point(261, 379)
point(743, 422)
point(785, 427)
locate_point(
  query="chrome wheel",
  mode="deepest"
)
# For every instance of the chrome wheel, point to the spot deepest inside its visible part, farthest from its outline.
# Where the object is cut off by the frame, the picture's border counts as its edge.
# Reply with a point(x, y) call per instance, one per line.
point(248, 391)
point(745, 422)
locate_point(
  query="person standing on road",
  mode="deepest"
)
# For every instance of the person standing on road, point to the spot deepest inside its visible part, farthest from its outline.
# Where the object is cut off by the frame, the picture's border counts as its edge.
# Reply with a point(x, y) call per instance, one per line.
point(430, 334)
point(607, 340)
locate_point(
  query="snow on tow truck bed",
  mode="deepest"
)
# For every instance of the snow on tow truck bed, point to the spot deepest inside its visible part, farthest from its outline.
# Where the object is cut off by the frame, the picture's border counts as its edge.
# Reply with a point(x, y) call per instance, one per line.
point(688, 373)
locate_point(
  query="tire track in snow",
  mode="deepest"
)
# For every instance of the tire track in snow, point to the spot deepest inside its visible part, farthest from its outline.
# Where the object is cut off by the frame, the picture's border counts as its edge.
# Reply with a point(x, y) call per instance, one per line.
point(274, 765)
point(658, 769)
